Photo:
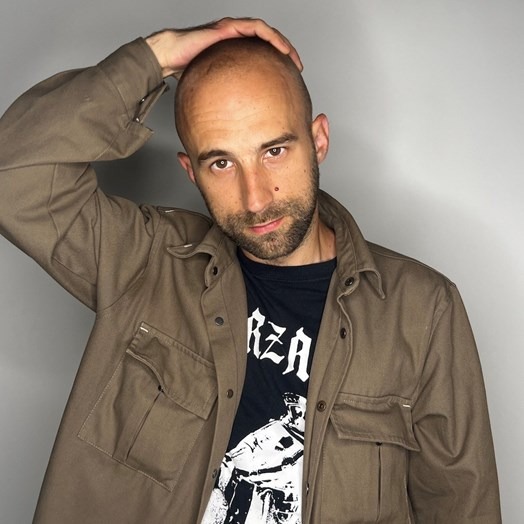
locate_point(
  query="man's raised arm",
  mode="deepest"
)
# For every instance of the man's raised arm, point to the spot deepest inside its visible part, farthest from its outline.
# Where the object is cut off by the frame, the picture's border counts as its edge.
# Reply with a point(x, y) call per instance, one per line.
point(50, 203)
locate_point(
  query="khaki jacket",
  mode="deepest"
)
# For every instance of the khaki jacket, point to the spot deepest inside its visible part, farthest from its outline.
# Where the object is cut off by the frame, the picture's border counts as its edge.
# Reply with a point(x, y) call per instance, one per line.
point(397, 428)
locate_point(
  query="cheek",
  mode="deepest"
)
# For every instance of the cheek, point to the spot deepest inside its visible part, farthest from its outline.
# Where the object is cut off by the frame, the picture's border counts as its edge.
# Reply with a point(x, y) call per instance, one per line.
point(294, 178)
point(220, 197)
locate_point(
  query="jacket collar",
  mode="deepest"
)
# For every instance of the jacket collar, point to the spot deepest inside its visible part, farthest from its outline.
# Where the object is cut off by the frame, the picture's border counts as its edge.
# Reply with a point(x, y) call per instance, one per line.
point(354, 258)
point(353, 255)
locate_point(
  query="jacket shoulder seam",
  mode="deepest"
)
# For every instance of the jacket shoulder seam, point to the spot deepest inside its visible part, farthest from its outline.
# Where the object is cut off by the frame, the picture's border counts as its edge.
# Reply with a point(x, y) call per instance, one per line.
point(380, 251)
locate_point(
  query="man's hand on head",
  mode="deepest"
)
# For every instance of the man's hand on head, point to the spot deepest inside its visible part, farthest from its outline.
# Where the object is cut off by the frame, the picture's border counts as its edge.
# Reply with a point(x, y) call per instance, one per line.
point(175, 48)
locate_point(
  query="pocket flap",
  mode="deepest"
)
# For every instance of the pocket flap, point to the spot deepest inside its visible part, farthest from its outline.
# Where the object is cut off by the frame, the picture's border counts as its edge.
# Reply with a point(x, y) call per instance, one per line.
point(374, 419)
point(185, 377)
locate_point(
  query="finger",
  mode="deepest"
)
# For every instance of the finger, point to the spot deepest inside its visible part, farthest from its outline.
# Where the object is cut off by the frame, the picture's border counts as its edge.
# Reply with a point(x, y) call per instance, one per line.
point(293, 53)
point(278, 40)
point(256, 27)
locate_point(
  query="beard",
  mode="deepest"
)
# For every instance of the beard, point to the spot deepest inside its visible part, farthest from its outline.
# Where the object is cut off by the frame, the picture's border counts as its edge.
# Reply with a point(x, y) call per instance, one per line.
point(282, 242)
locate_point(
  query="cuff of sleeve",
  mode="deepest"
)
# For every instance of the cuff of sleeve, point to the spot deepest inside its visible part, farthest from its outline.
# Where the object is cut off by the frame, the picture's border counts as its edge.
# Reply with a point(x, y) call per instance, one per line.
point(136, 74)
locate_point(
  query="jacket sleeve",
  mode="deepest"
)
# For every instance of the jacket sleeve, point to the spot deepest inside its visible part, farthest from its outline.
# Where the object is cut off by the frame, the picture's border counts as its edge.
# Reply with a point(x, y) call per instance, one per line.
point(453, 478)
point(96, 246)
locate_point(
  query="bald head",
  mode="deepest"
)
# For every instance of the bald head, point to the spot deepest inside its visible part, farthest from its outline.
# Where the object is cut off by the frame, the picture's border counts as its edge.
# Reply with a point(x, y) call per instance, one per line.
point(233, 59)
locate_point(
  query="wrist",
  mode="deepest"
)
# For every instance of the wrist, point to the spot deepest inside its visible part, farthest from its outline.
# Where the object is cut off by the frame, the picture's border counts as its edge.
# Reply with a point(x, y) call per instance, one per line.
point(160, 44)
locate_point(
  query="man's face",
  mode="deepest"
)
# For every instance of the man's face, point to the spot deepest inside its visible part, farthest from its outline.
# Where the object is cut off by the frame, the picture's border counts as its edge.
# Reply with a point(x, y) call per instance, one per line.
point(253, 157)
point(261, 234)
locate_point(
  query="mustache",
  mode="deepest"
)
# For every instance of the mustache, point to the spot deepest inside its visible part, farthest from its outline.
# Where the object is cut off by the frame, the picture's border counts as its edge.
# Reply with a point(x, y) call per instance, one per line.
point(249, 218)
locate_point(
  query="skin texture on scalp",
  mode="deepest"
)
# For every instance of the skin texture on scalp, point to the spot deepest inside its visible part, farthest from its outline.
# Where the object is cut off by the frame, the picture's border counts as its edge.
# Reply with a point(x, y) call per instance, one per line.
point(231, 57)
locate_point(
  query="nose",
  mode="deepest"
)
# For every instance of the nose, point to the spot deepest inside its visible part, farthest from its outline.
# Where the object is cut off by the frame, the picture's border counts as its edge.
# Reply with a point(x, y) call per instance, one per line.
point(257, 190)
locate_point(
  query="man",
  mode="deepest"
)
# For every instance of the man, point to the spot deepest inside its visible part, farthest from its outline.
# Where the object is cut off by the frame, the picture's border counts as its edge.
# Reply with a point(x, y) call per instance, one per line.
point(355, 393)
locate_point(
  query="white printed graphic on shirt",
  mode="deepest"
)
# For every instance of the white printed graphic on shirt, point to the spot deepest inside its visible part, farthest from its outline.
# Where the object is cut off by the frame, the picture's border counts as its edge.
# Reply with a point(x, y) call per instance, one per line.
point(298, 350)
point(265, 467)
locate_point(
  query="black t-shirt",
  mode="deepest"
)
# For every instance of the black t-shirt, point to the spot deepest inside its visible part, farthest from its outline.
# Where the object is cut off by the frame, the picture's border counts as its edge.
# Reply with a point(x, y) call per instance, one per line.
point(261, 475)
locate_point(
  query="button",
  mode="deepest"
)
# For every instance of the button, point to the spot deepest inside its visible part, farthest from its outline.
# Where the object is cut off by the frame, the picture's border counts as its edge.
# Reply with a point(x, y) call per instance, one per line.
point(142, 101)
point(219, 321)
point(321, 406)
point(215, 270)
point(214, 474)
point(229, 393)
point(349, 281)
point(343, 333)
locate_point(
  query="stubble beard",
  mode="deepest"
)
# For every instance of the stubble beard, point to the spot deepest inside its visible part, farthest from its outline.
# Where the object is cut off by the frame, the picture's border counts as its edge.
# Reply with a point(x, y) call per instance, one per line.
point(275, 244)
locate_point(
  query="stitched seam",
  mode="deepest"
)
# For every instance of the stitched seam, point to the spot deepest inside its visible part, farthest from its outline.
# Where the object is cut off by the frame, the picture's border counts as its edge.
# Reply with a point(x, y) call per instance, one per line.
point(373, 437)
point(49, 200)
point(403, 258)
point(128, 465)
point(109, 384)
point(175, 344)
point(157, 237)
point(366, 401)
point(438, 313)
point(71, 271)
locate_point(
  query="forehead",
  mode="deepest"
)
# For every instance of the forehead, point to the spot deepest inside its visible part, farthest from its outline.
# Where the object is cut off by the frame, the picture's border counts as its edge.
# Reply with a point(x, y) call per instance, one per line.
point(248, 104)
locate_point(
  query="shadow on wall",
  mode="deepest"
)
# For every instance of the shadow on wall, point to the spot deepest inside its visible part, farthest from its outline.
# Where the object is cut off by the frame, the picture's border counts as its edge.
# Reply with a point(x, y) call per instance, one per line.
point(152, 175)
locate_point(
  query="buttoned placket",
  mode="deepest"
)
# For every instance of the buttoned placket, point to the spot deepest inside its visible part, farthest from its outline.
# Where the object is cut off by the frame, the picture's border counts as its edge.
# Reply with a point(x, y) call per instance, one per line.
point(338, 361)
point(227, 356)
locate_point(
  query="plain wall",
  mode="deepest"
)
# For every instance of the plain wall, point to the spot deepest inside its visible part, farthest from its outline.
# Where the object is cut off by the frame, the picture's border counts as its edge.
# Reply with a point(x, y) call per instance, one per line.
point(426, 104)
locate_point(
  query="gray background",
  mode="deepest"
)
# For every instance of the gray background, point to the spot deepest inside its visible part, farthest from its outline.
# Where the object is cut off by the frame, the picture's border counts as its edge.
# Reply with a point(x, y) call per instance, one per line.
point(425, 100)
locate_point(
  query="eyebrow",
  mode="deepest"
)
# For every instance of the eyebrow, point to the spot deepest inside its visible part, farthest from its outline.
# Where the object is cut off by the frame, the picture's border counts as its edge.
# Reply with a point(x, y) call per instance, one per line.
point(214, 153)
point(282, 139)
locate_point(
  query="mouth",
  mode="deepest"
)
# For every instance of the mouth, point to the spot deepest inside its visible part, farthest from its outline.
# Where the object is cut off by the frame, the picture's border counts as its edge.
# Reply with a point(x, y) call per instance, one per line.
point(266, 227)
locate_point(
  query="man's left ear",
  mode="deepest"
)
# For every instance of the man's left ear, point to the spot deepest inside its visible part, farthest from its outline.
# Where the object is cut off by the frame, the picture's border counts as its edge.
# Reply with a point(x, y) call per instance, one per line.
point(320, 133)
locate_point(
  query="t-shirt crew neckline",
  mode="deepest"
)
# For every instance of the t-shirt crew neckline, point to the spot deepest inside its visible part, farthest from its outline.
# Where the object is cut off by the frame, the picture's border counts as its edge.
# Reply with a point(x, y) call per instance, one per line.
point(307, 272)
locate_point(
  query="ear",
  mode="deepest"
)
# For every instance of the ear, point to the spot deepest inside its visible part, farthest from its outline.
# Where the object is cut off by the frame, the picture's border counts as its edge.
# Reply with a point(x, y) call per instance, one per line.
point(320, 134)
point(185, 162)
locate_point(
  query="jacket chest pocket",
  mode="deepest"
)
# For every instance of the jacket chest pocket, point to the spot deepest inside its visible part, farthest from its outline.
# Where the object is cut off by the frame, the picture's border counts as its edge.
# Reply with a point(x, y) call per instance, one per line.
point(153, 409)
point(365, 460)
